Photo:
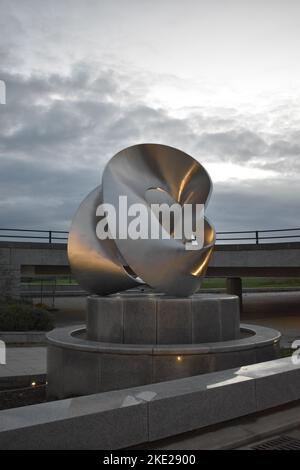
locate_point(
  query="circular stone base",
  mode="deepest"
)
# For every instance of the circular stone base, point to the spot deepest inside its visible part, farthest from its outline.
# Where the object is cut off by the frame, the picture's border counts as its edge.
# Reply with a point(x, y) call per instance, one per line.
point(132, 318)
point(79, 366)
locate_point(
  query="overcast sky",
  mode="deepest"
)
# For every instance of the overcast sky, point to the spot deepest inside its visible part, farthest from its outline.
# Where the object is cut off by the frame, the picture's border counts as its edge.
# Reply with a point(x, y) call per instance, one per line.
point(219, 79)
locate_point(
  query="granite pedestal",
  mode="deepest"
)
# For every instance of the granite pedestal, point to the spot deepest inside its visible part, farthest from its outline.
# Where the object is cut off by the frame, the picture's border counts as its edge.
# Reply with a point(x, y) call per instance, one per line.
point(136, 339)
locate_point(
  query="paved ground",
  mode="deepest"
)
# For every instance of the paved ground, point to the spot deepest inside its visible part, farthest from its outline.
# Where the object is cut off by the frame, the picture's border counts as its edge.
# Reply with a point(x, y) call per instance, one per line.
point(271, 304)
point(256, 305)
point(278, 310)
point(24, 361)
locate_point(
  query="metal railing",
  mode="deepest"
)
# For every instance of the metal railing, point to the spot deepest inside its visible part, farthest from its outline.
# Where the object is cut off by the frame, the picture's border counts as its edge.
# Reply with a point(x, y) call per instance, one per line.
point(22, 234)
point(228, 237)
point(260, 236)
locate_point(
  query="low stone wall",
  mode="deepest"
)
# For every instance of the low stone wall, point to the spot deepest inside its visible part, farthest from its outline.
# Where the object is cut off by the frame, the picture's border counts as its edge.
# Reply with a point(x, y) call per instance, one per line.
point(134, 416)
point(266, 259)
point(23, 337)
point(10, 274)
point(77, 366)
point(17, 256)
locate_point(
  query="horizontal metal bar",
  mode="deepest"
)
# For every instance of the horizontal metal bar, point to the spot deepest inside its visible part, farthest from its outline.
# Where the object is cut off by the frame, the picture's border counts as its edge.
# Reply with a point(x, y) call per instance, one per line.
point(241, 231)
point(254, 235)
point(23, 236)
point(22, 230)
point(279, 230)
point(223, 232)
point(260, 231)
point(30, 230)
point(279, 236)
point(236, 238)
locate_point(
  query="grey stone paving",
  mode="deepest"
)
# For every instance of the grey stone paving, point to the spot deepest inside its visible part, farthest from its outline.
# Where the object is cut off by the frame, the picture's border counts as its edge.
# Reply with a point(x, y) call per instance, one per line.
point(24, 361)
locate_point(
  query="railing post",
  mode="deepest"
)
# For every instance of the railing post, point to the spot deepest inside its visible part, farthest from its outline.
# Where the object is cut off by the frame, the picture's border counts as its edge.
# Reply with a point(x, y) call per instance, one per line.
point(50, 236)
point(234, 286)
point(256, 237)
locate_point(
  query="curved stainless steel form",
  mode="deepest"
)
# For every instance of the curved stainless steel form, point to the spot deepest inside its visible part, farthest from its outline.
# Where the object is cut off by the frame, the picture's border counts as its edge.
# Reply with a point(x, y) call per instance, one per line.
point(96, 264)
point(145, 174)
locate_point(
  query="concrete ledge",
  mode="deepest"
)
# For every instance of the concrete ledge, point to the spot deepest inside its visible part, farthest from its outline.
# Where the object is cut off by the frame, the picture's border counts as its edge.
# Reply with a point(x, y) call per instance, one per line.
point(78, 366)
point(234, 434)
point(104, 421)
point(74, 337)
point(23, 337)
point(134, 416)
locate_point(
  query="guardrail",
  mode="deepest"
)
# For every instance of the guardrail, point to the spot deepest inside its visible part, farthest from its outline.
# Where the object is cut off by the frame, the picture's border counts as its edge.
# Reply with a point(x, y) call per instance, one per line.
point(228, 237)
point(22, 234)
point(260, 236)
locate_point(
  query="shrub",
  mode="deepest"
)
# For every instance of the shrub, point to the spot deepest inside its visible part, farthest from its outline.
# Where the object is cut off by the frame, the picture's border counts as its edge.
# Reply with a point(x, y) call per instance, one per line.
point(19, 315)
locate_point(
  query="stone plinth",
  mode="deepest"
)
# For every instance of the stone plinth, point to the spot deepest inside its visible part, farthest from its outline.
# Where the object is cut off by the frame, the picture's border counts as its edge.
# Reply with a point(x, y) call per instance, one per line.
point(160, 319)
point(134, 340)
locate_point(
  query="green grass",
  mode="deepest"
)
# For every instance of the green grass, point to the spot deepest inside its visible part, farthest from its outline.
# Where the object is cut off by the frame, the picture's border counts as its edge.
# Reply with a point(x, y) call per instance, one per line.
point(51, 282)
point(286, 352)
point(255, 282)
point(208, 283)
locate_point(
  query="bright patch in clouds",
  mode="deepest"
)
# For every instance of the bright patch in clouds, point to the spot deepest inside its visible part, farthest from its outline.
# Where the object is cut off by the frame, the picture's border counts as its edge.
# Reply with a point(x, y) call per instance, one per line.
point(221, 172)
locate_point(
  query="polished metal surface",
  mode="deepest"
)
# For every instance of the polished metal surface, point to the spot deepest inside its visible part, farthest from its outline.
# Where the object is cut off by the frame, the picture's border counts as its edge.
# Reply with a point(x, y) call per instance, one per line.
point(96, 264)
point(145, 174)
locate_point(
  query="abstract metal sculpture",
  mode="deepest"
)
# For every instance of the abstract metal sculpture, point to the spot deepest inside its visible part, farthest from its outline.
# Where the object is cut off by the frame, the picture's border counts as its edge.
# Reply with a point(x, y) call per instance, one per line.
point(147, 338)
point(145, 174)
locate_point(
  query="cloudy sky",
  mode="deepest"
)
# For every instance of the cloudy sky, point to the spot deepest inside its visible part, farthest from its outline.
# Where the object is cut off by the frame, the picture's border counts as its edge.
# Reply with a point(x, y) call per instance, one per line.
point(218, 79)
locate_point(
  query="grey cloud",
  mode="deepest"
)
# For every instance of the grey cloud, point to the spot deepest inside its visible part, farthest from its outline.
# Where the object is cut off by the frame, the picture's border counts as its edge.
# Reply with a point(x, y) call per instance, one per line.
point(39, 196)
point(236, 144)
point(255, 205)
point(57, 132)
